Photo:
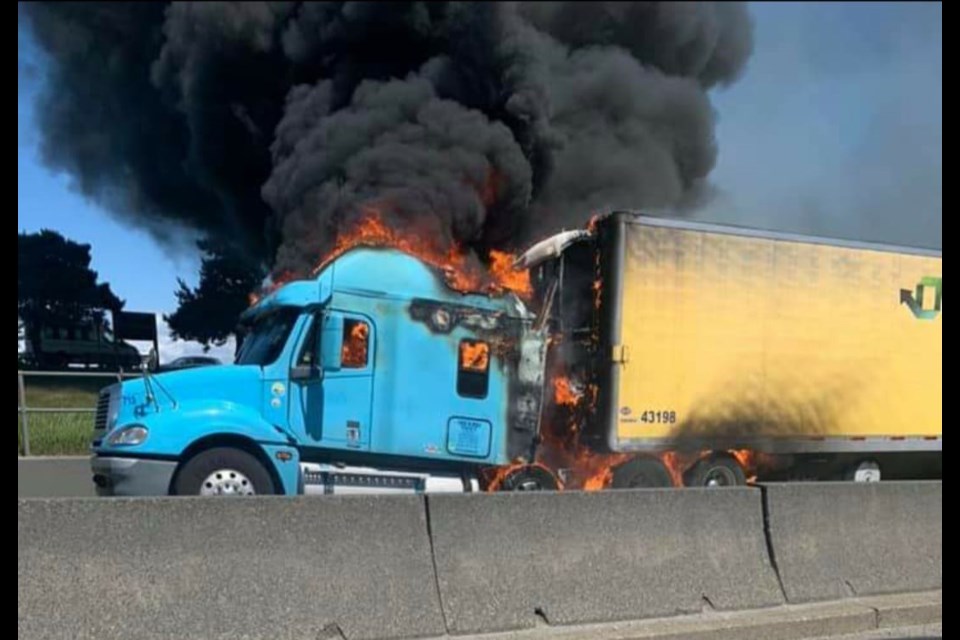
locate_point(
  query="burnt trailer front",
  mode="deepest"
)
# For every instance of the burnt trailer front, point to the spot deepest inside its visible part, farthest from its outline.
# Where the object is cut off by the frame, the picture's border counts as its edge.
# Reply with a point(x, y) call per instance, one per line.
point(822, 355)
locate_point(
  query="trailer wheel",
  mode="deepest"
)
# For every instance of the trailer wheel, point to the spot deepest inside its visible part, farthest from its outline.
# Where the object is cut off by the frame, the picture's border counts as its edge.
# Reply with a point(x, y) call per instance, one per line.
point(863, 471)
point(715, 471)
point(223, 471)
point(641, 473)
point(529, 477)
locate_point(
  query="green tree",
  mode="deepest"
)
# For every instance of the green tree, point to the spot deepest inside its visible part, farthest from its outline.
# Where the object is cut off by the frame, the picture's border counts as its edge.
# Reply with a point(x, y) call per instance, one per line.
point(208, 313)
point(55, 284)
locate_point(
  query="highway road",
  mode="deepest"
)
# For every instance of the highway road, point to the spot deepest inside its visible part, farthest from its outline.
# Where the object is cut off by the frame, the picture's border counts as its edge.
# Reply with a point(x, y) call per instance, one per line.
point(54, 477)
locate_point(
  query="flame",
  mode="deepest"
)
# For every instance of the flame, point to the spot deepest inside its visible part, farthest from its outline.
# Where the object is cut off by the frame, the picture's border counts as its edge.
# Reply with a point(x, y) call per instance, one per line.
point(561, 447)
point(676, 465)
point(474, 355)
point(599, 469)
point(753, 461)
point(459, 272)
point(597, 289)
point(510, 278)
point(353, 353)
point(563, 393)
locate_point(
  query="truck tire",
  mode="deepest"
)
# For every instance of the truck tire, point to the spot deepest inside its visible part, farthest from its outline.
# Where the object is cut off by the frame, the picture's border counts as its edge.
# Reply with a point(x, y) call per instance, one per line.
point(530, 477)
point(223, 471)
point(863, 471)
point(641, 473)
point(715, 471)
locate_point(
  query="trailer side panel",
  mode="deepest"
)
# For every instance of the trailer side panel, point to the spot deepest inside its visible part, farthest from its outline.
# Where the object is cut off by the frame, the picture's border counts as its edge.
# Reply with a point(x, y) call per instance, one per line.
point(776, 342)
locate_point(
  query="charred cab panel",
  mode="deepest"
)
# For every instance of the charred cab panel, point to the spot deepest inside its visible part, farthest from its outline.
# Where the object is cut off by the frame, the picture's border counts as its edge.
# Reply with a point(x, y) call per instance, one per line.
point(490, 365)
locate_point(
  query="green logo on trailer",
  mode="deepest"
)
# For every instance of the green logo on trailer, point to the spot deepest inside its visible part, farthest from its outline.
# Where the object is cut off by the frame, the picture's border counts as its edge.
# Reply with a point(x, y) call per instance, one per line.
point(914, 299)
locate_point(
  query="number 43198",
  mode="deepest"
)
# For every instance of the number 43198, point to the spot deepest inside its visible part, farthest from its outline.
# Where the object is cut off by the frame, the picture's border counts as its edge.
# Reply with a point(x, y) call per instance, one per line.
point(659, 417)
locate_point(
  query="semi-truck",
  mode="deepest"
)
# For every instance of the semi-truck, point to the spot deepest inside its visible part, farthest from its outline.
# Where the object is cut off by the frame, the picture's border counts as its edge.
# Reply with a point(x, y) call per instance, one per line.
point(694, 350)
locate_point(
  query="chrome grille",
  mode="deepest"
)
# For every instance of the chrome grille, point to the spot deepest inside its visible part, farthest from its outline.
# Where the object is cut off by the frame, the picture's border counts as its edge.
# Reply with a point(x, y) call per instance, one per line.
point(103, 409)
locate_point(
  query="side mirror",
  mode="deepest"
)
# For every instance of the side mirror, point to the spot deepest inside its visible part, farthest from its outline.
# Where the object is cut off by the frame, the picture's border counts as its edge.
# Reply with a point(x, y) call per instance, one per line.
point(331, 342)
point(302, 372)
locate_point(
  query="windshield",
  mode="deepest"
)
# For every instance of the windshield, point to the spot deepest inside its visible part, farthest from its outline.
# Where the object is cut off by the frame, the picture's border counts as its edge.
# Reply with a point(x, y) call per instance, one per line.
point(265, 340)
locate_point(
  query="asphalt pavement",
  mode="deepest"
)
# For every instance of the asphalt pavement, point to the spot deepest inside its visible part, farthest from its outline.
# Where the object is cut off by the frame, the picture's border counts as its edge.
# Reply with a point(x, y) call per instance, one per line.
point(54, 477)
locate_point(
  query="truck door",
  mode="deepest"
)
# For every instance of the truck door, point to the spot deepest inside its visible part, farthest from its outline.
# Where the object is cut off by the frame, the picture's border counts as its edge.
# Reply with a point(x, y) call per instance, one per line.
point(333, 408)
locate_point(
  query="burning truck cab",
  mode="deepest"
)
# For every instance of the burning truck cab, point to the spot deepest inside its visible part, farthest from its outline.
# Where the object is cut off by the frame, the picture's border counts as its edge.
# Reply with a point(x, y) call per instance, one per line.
point(373, 376)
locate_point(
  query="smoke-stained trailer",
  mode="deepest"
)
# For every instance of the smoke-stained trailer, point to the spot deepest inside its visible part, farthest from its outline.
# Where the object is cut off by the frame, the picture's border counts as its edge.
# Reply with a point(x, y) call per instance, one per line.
point(715, 338)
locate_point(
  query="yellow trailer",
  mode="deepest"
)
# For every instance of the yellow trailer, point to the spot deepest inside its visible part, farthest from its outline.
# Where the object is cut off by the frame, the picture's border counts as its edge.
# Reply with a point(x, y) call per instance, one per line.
point(723, 337)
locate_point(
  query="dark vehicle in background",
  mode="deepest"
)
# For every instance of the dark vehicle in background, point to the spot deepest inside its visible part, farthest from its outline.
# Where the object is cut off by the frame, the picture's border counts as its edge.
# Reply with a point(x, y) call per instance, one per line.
point(189, 362)
point(87, 343)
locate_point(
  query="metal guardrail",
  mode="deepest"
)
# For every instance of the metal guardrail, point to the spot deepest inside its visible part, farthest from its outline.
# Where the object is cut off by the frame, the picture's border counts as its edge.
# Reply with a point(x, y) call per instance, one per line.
point(24, 411)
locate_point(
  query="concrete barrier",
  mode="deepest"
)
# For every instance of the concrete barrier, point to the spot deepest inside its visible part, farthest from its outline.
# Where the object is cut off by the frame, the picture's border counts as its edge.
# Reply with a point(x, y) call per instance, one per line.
point(405, 566)
point(505, 560)
point(54, 477)
point(831, 540)
point(243, 568)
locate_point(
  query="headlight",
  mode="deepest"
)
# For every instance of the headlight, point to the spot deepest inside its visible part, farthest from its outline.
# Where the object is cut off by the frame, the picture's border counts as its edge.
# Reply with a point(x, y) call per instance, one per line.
point(128, 436)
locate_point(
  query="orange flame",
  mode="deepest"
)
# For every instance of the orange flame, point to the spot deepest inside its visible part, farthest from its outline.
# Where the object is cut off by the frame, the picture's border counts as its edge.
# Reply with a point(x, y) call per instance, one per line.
point(508, 277)
point(597, 289)
point(461, 270)
point(474, 355)
point(677, 463)
point(561, 447)
point(563, 393)
point(599, 469)
point(353, 353)
point(460, 273)
point(753, 461)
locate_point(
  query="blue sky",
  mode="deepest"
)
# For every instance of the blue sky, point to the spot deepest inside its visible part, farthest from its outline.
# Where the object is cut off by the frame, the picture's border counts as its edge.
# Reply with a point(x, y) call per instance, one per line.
point(835, 128)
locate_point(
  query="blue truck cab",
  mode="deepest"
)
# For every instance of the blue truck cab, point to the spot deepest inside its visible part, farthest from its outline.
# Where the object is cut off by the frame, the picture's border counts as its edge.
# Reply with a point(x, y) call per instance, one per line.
point(373, 376)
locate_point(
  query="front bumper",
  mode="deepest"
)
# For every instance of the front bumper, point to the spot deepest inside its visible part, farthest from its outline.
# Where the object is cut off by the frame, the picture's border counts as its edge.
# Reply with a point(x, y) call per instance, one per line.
point(114, 476)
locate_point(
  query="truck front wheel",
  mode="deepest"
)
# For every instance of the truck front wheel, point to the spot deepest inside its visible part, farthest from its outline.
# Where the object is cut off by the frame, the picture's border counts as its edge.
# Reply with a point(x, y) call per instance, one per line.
point(223, 471)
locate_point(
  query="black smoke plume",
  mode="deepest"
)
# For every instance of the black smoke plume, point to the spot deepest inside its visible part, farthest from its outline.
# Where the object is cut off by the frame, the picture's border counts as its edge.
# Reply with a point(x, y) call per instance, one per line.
point(272, 125)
